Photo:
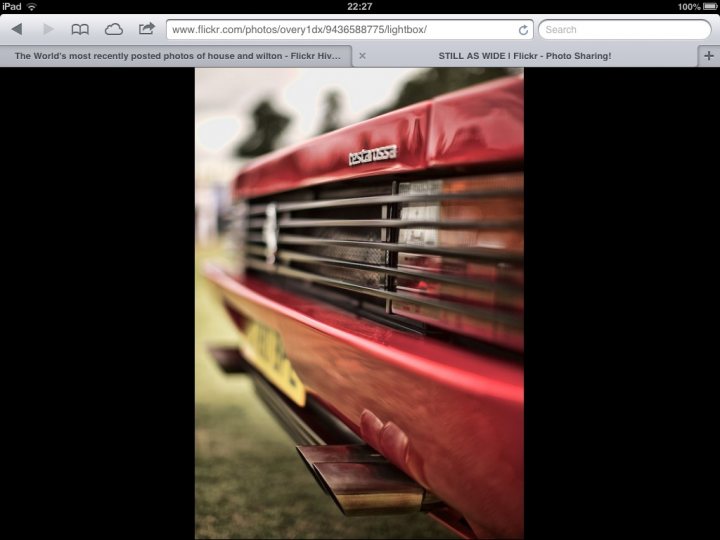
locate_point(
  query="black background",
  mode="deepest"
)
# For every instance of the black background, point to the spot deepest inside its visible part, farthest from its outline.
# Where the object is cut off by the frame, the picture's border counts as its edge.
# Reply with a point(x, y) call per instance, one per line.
point(620, 291)
point(619, 226)
point(98, 186)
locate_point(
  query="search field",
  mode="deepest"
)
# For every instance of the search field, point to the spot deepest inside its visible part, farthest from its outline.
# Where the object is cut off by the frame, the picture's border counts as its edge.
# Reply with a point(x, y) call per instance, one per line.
point(625, 29)
point(348, 29)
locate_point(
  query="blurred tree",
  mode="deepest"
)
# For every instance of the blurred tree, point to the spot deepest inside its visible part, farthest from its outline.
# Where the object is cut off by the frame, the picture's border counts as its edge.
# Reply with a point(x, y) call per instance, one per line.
point(331, 117)
point(435, 81)
point(269, 125)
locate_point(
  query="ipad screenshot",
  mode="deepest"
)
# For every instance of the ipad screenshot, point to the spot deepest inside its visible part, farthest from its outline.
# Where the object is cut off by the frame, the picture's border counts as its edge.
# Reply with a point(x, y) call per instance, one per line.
point(357, 362)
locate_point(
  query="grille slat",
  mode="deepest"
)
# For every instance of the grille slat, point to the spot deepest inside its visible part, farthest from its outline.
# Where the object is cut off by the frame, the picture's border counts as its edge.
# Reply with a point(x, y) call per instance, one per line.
point(285, 255)
point(483, 254)
point(255, 209)
point(512, 320)
point(391, 223)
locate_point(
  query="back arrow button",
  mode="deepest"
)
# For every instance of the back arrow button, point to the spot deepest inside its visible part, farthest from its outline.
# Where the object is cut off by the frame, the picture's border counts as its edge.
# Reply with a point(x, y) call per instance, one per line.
point(17, 29)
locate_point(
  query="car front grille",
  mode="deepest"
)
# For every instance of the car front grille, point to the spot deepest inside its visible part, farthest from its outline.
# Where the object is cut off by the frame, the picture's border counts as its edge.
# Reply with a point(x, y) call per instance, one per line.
point(445, 253)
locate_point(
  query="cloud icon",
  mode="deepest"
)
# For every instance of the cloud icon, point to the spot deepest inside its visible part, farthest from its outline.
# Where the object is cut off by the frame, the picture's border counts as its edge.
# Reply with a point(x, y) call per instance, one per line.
point(113, 29)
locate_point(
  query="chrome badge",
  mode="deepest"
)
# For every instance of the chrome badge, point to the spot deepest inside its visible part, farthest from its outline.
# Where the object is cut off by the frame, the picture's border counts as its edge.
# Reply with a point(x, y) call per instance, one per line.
point(270, 233)
point(381, 153)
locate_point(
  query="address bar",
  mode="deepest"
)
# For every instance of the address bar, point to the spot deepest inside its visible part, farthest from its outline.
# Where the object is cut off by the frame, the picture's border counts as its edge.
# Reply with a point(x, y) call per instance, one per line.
point(347, 29)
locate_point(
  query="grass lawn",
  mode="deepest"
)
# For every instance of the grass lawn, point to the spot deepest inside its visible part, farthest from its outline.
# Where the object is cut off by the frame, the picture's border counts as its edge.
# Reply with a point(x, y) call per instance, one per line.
point(249, 481)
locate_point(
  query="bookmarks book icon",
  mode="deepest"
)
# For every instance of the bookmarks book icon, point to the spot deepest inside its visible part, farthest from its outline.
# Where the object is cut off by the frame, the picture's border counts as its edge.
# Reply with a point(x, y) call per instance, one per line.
point(79, 29)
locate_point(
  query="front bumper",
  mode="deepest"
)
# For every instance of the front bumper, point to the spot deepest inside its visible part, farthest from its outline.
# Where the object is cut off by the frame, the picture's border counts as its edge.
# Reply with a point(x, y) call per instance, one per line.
point(452, 420)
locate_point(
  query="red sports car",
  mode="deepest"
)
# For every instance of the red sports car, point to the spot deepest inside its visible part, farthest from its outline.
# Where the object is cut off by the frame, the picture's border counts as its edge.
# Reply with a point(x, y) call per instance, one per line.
point(380, 307)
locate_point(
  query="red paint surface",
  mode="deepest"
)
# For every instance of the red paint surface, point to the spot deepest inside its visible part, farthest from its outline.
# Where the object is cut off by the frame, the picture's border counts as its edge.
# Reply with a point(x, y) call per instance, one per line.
point(451, 419)
point(481, 125)
point(325, 158)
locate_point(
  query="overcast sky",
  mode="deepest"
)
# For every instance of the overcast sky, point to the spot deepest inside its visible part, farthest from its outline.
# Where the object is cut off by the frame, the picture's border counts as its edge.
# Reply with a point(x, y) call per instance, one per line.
point(224, 99)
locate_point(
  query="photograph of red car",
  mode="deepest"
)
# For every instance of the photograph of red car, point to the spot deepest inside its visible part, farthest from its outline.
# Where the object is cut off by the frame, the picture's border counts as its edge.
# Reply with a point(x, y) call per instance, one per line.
point(364, 239)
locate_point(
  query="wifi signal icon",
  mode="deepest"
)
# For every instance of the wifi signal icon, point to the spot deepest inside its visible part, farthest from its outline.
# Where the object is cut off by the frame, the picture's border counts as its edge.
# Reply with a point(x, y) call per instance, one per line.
point(31, 6)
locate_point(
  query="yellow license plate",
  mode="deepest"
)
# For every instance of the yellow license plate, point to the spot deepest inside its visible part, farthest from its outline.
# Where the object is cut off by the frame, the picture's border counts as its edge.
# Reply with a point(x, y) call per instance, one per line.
point(263, 348)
